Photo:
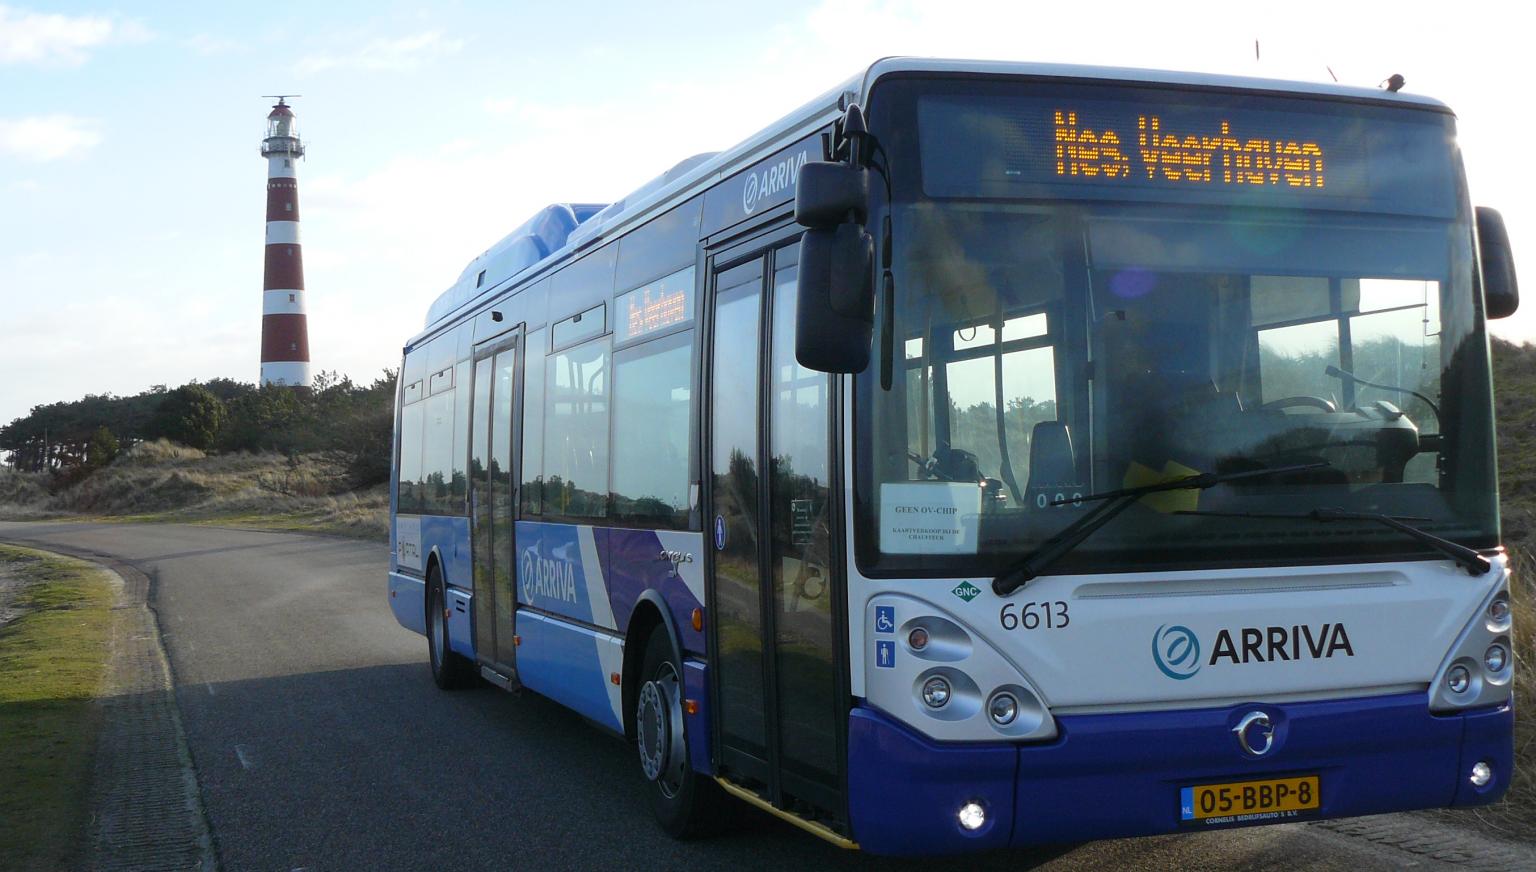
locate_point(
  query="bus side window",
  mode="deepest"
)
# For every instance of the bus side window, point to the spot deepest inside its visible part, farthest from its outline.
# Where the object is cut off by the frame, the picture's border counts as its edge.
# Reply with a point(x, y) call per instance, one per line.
point(408, 502)
point(533, 423)
point(576, 431)
point(652, 414)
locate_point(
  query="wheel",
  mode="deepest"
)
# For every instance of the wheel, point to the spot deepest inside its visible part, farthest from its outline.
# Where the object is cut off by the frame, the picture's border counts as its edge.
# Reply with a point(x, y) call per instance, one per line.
point(449, 670)
point(685, 803)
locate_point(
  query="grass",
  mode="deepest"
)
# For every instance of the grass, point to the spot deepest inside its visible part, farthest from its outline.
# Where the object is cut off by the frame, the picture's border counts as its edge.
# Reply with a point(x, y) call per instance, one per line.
point(52, 661)
point(159, 482)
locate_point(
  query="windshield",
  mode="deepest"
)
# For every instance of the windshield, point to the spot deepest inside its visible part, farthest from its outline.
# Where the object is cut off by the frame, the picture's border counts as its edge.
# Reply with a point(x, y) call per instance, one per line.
point(1180, 309)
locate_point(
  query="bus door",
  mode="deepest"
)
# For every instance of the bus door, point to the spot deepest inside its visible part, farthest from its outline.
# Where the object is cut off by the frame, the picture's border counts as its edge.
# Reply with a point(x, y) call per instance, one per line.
point(495, 439)
point(777, 637)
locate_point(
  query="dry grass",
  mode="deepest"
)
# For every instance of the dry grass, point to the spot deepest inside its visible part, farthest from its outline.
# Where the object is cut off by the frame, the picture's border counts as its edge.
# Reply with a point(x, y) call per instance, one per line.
point(1516, 815)
point(159, 481)
point(1522, 794)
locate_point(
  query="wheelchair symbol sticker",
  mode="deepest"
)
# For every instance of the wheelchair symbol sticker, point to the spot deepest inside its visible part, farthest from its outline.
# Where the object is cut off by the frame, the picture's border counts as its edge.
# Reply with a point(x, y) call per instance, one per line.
point(885, 619)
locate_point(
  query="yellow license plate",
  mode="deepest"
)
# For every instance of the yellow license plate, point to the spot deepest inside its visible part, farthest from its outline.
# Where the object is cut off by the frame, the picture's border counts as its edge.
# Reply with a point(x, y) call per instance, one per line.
point(1249, 801)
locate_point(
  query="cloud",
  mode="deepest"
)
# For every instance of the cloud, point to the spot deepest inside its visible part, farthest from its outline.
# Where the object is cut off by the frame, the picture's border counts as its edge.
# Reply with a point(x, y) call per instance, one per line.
point(46, 38)
point(47, 137)
point(404, 53)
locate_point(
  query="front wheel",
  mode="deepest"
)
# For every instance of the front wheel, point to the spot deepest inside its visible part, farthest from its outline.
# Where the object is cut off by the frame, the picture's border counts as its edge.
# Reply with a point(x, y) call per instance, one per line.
point(686, 803)
point(449, 670)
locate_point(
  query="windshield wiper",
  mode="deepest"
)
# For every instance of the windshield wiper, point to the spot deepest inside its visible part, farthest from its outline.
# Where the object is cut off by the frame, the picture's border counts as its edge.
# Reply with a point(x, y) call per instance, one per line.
point(1114, 502)
point(1473, 562)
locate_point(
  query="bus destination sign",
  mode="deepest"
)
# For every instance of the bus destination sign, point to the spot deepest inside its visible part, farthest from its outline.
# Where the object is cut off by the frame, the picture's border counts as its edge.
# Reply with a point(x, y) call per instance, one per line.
point(1199, 157)
point(1187, 147)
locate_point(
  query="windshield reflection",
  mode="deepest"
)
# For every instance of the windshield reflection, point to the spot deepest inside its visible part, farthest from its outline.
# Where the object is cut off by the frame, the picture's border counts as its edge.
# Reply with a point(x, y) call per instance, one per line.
point(1052, 351)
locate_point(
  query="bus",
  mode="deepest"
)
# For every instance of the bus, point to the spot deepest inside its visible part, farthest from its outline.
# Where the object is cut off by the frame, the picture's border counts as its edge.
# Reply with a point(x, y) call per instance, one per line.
point(988, 454)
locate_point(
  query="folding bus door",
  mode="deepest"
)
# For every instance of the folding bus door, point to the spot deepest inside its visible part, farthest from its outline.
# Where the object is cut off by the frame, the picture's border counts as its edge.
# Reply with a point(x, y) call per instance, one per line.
point(776, 645)
point(496, 429)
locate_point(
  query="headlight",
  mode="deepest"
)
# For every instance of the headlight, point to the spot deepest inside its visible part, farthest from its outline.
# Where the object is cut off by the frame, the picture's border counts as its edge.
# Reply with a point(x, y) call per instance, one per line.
point(1458, 679)
point(936, 692)
point(1003, 709)
point(1496, 658)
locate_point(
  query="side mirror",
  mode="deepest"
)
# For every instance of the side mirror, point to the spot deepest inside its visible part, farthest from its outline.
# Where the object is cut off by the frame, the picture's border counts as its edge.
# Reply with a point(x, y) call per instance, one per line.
point(827, 194)
point(1501, 293)
point(835, 313)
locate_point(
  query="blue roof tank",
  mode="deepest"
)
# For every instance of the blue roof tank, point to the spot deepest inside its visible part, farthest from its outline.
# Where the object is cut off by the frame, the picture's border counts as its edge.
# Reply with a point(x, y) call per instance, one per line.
point(538, 237)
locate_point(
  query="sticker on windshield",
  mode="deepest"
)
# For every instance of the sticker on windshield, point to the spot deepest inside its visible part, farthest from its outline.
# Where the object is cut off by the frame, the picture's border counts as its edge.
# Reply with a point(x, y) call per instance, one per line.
point(929, 517)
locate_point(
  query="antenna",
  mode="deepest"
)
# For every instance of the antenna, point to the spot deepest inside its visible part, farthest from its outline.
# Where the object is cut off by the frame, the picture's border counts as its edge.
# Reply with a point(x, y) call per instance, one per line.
point(1331, 73)
point(1255, 49)
point(281, 97)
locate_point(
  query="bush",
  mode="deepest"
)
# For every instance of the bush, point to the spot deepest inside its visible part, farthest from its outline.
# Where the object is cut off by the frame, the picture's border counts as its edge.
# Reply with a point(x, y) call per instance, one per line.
point(191, 415)
point(103, 449)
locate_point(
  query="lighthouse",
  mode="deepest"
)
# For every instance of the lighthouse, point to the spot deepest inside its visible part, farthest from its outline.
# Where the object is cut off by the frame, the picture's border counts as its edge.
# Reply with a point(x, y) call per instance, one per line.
point(284, 328)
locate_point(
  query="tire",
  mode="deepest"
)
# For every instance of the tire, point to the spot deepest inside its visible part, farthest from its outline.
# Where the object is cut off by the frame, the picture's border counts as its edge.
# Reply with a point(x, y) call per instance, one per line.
point(686, 803)
point(450, 671)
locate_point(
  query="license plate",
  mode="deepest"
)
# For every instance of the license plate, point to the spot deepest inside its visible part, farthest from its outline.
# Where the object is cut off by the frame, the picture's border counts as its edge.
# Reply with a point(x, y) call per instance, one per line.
point(1274, 799)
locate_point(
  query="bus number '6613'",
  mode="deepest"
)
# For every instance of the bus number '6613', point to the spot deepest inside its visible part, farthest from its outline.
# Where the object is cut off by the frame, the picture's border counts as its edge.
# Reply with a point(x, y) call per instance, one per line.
point(1051, 615)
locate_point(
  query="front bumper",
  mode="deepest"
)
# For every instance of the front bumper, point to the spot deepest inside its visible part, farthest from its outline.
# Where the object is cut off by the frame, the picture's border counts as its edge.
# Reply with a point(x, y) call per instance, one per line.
point(1116, 775)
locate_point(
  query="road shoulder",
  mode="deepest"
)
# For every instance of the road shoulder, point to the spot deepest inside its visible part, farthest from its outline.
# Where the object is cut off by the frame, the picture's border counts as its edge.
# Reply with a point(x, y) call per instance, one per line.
point(145, 809)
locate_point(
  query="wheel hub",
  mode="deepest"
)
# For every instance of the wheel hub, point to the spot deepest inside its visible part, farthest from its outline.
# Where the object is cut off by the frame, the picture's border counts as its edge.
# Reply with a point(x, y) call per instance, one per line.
point(654, 728)
point(659, 723)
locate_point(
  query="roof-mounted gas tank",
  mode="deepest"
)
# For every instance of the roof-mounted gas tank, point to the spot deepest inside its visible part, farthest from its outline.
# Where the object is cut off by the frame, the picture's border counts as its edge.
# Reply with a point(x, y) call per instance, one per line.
point(537, 238)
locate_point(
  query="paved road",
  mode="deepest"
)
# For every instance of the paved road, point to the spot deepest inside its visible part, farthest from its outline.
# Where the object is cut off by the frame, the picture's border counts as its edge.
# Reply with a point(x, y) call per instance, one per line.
point(321, 744)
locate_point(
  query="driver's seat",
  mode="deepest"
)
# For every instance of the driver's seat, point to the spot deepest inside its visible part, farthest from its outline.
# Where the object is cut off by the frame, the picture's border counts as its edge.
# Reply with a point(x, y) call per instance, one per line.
point(1052, 462)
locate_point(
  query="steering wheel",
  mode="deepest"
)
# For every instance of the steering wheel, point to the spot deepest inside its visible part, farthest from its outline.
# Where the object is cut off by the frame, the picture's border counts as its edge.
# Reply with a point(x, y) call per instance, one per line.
point(928, 466)
point(1297, 401)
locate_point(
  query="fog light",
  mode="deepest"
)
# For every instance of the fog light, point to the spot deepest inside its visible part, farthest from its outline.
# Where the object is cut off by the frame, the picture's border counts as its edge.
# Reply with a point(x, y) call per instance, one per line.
point(918, 638)
point(936, 692)
point(1496, 658)
point(973, 817)
point(1482, 773)
point(1458, 679)
point(1003, 709)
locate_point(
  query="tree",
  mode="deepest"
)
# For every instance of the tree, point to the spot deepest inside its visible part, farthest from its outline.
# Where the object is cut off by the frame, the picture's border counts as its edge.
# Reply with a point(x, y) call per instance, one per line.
point(191, 415)
point(103, 448)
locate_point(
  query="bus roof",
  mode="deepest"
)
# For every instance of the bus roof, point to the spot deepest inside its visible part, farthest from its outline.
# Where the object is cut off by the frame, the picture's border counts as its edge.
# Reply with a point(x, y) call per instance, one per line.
point(558, 231)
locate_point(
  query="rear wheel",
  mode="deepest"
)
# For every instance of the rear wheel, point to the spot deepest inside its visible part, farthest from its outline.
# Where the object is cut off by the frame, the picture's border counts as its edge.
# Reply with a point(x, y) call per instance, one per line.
point(686, 803)
point(449, 670)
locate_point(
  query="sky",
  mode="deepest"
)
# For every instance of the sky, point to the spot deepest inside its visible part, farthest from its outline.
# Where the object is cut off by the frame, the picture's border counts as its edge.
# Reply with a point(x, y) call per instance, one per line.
point(132, 192)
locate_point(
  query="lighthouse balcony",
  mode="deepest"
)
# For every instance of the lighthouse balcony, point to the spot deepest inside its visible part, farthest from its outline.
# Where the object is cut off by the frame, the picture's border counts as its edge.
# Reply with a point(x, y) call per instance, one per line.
point(286, 145)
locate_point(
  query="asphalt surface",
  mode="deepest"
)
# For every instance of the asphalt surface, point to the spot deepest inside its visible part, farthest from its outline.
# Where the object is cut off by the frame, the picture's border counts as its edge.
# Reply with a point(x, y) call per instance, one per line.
point(320, 742)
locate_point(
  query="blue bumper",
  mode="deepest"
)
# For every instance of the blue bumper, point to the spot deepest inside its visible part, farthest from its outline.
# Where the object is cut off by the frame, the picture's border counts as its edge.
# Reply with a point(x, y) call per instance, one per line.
point(1110, 776)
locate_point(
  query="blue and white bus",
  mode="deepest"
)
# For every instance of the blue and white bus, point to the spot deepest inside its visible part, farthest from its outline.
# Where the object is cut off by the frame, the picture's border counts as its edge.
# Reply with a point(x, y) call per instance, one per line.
point(988, 454)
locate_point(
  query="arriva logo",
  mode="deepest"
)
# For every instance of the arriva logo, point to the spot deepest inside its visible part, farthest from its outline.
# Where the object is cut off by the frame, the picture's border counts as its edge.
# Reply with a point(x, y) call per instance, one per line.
point(541, 576)
point(1176, 651)
point(771, 180)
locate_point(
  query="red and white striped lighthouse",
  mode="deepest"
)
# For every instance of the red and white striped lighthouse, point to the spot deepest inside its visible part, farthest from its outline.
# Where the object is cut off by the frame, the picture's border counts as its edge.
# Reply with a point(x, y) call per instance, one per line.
point(284, 328)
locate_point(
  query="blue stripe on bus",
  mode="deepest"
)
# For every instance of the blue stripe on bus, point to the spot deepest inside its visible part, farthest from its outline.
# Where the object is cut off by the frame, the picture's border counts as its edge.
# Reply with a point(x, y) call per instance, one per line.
point(561, 661)
point(696, 725)
point(554, 574)
point(551, 571)
point(1108, 776)
point(634, 563)
point(408, 600)
point(448, 535)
